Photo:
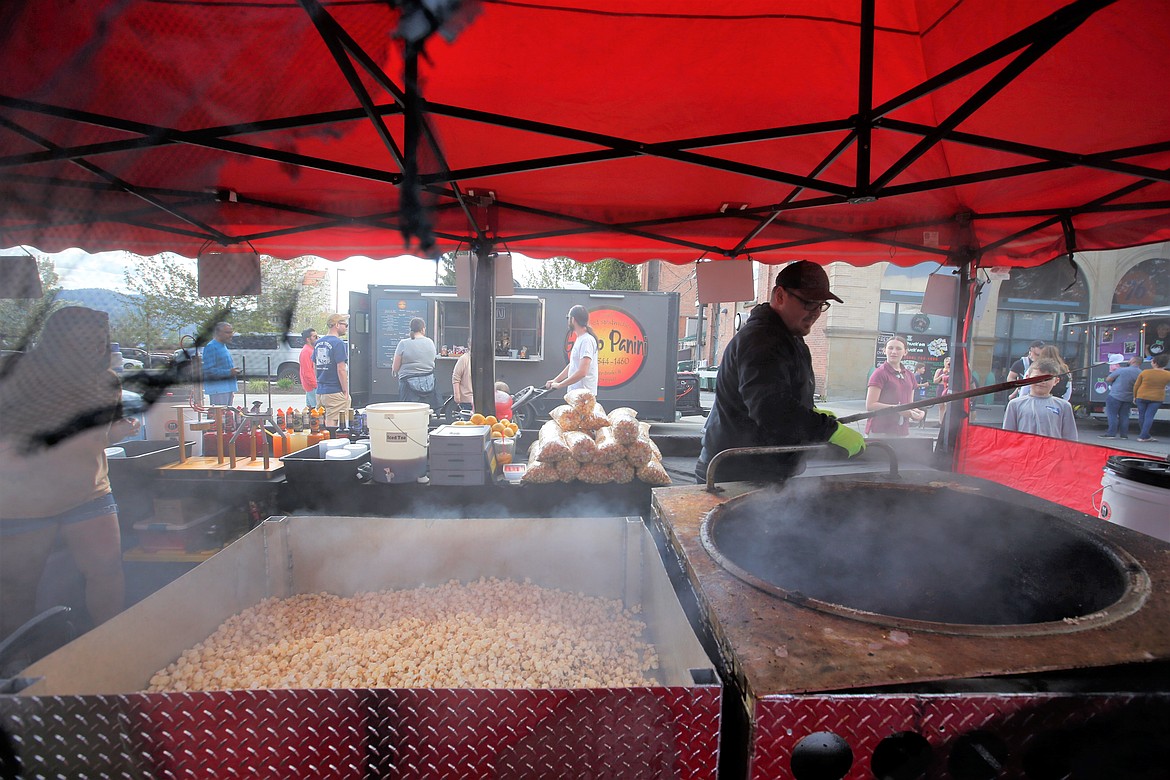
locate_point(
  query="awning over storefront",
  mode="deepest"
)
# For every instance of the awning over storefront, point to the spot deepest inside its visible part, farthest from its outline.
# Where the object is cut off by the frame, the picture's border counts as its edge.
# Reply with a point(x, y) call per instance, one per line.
point(858, 130)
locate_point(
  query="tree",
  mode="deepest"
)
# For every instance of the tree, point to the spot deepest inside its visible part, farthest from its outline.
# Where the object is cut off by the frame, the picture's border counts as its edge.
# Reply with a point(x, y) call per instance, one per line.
point(21, 318)
point(607, 274)
point(445, 273)
point(165, 300)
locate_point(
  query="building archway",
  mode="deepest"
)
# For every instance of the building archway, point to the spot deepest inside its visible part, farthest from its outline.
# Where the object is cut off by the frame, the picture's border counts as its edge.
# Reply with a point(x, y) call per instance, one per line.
point(1144, 286)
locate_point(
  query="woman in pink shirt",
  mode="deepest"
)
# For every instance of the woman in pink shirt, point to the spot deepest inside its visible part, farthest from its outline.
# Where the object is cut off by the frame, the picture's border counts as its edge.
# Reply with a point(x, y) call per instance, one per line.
point(892, 385)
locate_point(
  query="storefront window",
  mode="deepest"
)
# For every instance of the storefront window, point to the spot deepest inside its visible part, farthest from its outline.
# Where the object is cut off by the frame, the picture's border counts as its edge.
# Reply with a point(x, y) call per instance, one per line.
point(1144, 286)
point(1034, 305)
point(900, 307)
point(517, 324)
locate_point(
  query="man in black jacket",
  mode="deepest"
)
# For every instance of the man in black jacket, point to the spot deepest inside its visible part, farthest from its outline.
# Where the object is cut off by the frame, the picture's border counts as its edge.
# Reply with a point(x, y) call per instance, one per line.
point(764, 390)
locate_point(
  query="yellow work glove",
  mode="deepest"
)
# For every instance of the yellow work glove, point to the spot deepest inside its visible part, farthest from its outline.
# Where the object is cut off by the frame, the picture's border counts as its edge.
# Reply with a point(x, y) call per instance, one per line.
point(826, 412)
point(848, 439)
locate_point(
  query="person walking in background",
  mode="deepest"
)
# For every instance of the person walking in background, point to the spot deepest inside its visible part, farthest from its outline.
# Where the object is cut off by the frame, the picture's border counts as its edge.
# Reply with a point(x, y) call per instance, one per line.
point(219, 373)
point(1149, 390)
point(461, 381)
point(63, 408)
point(308, 367)
point(922, 385)
point(1040, 412)
point(331, 359)
point(942, 380)
point(581, 372)
point(1120, 398)
point(921, 382)
point(414, 365)
point(891, 385)
point(1063, 387)
point(1019, 369)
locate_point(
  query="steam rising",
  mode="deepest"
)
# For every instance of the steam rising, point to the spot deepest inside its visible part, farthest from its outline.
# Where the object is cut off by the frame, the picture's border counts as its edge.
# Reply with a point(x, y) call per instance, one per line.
point(918, 553)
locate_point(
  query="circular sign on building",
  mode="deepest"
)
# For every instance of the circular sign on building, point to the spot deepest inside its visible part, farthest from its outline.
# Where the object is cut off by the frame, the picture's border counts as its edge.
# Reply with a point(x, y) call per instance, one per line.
point(621, 346)
point(920, 323)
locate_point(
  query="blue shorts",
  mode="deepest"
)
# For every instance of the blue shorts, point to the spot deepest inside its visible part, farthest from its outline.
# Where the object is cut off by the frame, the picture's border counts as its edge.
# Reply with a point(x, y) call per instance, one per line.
point(98, 507)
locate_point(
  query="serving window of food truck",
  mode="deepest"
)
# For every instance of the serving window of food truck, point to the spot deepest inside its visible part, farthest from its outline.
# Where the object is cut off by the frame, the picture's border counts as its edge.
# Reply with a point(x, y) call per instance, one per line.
point(519, 331)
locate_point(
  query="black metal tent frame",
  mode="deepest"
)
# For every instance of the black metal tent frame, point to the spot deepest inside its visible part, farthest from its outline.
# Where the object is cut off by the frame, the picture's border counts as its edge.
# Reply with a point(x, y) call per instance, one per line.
point(1025, 46)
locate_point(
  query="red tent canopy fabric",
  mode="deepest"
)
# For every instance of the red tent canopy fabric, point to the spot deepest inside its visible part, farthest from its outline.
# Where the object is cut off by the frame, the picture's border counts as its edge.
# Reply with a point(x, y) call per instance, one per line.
point(855, 130)
point(1064, 472)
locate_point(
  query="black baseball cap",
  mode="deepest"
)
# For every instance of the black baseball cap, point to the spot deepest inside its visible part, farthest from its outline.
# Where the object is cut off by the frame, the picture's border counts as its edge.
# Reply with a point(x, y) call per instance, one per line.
point(806, 278)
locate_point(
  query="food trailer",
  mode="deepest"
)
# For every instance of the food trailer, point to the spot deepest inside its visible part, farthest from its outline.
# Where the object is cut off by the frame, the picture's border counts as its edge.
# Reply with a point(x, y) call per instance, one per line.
point(1129, 334)
point(637, 339)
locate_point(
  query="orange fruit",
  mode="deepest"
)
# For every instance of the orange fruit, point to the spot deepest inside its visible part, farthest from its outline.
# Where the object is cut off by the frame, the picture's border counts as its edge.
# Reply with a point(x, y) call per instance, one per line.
point(490, 420)
point(478, 419)
point(513, 429)
point(499, 427)
point(497, 435)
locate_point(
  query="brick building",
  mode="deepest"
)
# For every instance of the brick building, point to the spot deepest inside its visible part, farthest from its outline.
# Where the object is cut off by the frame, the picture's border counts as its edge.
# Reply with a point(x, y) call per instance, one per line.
point(881, 299)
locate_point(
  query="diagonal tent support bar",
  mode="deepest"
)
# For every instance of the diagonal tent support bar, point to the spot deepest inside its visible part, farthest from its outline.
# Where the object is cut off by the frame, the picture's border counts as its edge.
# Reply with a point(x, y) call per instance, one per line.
point(1058, 216)
point(195, 199)
point(991, 54)
point(210, 232)
point(339, 41)
point(1103, 161)
point(1060, 26)
point(211, 138)
point(638, 148)
point(325, 28)
point(779, 208)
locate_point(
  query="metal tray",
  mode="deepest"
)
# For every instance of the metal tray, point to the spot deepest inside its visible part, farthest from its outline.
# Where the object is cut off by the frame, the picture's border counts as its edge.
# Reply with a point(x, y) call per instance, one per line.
point(310, 465)
point(82, 714)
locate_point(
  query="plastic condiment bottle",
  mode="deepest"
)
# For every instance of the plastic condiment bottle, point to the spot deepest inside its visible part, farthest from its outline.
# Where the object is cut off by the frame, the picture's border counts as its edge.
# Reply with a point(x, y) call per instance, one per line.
point(280, 420)
point(277, 444)
point(503, 405)
point(315, 421)
point(298, 441)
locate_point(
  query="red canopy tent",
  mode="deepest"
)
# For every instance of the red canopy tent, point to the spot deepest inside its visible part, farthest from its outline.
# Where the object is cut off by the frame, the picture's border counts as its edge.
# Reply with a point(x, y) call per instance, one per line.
point(969, 132)
point(856, 130)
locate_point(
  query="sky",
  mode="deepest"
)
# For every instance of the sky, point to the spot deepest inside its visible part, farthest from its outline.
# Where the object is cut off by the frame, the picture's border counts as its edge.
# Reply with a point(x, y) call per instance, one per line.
point(104, 270)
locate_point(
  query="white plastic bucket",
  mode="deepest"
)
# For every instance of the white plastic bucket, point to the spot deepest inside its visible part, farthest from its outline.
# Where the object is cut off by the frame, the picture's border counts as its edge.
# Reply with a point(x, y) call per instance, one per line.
point(398, 440)
point(1135, 493)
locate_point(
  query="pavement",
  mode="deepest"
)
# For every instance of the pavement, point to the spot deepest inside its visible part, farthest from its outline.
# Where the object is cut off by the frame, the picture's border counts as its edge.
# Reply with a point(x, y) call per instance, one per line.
point(1089, 430)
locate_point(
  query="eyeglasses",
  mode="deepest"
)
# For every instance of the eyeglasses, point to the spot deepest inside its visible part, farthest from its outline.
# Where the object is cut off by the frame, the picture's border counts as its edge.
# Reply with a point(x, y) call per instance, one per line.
point(809, 305)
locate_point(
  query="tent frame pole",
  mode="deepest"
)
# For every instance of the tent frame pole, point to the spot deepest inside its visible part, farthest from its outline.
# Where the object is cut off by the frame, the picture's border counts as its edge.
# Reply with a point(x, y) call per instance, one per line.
point(483, 336)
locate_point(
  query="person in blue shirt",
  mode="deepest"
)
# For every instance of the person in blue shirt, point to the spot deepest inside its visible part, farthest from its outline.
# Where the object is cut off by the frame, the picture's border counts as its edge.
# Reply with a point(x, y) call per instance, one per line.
point(1120, 398)
point(331, 357)
point(219, 373)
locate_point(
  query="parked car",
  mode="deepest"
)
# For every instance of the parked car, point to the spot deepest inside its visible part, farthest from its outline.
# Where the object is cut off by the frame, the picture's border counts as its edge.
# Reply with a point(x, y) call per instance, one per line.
point(259, 355)
point(707, 377)
point(147, 359)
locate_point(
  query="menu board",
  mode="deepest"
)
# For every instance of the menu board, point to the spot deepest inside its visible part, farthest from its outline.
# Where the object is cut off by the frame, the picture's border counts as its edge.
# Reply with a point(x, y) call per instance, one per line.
point(392, 324)
point(919, 348)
